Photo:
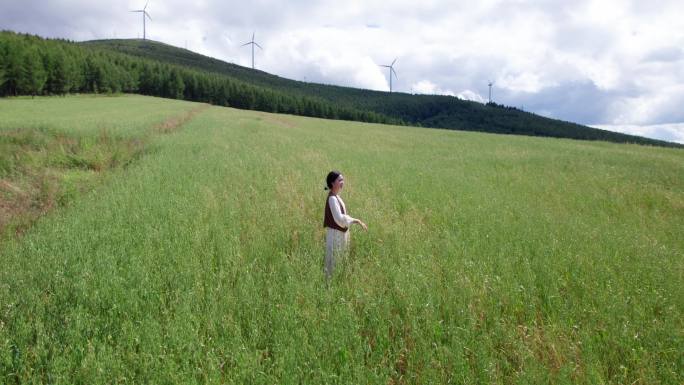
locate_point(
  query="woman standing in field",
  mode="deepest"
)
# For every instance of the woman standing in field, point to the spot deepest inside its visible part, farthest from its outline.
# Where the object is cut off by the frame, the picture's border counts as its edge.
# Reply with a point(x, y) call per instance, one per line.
point(336, 223)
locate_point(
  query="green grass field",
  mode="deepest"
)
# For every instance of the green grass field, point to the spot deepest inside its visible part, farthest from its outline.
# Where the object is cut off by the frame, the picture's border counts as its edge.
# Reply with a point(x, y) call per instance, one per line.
point(53, 150)
point(489, 259)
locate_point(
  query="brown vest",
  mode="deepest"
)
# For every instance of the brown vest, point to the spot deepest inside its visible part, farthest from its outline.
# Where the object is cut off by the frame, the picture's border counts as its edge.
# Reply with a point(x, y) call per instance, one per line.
point(329, 220)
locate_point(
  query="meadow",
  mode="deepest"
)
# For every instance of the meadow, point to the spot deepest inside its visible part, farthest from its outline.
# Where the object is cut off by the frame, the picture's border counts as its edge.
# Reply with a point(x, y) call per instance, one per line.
point(489, 259)
point(52, 150)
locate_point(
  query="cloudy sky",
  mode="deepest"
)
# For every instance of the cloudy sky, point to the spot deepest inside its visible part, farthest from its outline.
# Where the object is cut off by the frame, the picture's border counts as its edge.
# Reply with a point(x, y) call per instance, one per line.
point(615, 64)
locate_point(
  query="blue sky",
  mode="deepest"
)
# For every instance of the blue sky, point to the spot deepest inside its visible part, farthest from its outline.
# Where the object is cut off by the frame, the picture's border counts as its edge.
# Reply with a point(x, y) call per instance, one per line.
point(614, 64)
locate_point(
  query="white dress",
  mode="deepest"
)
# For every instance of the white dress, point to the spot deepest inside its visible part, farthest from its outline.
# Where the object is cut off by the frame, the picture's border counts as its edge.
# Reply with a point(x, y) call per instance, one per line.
point(336, 242)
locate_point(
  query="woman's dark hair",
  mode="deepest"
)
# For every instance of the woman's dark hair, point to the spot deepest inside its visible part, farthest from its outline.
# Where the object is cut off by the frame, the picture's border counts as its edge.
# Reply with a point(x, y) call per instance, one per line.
point(331, 178)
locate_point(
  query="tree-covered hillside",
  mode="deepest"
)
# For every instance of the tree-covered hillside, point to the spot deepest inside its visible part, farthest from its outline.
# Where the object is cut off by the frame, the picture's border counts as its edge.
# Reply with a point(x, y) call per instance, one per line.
point(437, 111)
point(30, 65)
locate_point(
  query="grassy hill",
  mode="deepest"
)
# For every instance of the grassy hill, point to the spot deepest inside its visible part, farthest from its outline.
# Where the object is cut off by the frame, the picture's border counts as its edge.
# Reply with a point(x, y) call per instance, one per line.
point(422, 110)
point(490, 259)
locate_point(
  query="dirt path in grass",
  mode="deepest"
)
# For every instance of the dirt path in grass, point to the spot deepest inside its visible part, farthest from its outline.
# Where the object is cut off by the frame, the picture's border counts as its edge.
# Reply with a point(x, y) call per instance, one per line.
point(40, 171)
point(174, 123)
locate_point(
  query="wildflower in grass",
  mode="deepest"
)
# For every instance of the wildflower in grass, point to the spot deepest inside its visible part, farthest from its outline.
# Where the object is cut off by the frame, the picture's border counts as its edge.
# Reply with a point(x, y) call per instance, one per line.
point(336, 222)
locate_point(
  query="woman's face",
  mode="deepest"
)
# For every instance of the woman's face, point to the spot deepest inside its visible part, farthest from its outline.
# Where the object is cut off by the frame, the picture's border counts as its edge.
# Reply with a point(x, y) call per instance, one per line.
point(338, 184)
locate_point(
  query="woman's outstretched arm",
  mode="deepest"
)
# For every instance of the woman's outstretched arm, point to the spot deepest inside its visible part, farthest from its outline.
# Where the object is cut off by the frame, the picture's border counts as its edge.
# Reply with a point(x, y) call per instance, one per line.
point(343, 220)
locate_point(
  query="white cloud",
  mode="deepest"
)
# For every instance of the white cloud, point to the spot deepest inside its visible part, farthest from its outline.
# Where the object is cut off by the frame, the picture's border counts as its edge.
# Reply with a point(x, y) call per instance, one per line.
point(660, 106)
point(670, 132)
point(430, 88)
point(521, 82)
point(471, 95)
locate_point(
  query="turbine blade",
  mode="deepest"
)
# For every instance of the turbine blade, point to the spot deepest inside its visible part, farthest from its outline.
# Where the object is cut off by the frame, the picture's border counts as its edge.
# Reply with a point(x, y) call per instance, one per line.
point(257, 44)
point(253, 35)
point(248, 43)
point(148, 15)
point(395, 60)
point(146, 5)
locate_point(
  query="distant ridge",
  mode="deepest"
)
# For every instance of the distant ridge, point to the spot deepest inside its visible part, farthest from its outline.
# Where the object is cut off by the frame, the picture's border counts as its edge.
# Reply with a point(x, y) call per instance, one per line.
point(435, 111)
point(30, 65)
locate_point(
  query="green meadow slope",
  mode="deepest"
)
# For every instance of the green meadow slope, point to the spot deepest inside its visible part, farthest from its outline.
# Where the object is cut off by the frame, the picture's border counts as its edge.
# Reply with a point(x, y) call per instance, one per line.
point(489, 259)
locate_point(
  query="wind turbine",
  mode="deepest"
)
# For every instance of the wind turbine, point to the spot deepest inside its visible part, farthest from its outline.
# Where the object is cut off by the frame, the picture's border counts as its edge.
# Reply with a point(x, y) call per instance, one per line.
point(144, 13)
point(391, 71)
point(490, 84)
point(253, 43)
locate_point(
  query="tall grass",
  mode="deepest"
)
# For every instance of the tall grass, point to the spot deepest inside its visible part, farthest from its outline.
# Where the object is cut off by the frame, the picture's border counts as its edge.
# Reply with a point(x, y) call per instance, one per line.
point(489, 259)
point(52, 150)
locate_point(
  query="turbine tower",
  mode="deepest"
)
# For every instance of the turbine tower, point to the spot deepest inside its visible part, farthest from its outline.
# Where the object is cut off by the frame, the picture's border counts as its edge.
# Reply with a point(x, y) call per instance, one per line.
point(253, 43)
point(144, 14)
point(391, 71)
point(490, 84)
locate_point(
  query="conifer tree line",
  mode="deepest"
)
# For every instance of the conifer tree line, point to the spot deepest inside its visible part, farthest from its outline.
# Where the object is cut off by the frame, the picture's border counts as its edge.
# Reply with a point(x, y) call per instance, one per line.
point(30, 65)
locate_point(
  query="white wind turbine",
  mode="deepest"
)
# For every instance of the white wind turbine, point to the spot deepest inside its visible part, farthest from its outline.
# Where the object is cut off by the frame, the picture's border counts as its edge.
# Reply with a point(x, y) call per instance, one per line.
point(144, 14)
point(253, 43)
point(490, 84)
point(391, 71)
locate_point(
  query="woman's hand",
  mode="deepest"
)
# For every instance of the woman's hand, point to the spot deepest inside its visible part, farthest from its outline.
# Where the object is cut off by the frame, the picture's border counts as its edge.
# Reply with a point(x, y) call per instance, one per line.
point(363, 225)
